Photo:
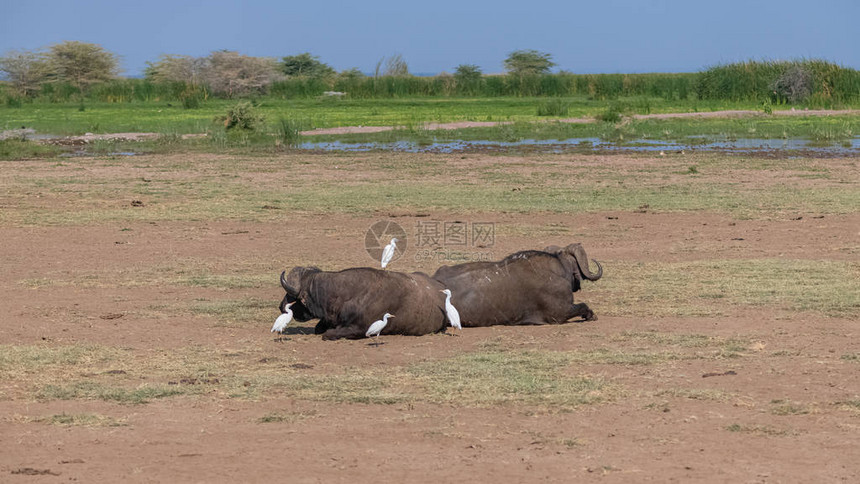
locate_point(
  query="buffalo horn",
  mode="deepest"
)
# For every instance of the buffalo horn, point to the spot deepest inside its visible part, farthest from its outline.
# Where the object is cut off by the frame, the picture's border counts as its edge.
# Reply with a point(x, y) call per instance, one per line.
point(291, 291)
point(582, 261)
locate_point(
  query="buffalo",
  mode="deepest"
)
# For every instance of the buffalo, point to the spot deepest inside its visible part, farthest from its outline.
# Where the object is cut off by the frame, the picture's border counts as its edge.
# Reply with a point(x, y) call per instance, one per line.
point(528, 287)
point(347, 302)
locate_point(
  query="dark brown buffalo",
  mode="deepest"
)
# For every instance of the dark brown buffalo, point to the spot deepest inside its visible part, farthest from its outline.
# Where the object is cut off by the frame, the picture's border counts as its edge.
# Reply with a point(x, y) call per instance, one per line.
point(529, 287)
point(349, 301)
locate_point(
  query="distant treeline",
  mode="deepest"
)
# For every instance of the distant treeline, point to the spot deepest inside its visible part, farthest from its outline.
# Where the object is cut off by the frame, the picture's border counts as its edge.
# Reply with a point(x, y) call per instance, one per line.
point(597, 86)
point(807, 81)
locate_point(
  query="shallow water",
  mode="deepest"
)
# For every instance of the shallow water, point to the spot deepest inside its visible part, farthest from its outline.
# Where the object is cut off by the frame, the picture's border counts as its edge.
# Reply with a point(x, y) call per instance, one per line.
point(693, 143)
point(79, 153)
point(851, 146)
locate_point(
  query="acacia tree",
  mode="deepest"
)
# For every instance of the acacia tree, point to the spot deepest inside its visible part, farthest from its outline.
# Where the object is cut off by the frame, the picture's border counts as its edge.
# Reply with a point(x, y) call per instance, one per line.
point(224, 72)
point(232, 73)
point(176, 68)
point(468, 78)
point(528, 62)
point(526, 66)
point(305, 65)
point(25, 70)
point(82, 64)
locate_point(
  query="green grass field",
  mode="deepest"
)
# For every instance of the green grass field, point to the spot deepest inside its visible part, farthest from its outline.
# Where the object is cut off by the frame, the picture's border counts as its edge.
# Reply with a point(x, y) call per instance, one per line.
point(163, 117)
point(283, 120)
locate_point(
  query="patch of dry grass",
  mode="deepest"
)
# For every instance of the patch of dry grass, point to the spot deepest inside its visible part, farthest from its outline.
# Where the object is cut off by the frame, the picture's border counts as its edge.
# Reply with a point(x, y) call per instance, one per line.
point(19, 360)
point(786, 407)
point(216, 274)
point(233, 312)
point(286, 417)
point(211, 189)
point(614, 356)
point(714, 288)
point(687, 346)
point(761, 430)
point(494, 375)
point(89, 390)
point(707, 394)
point(484, 378)
point(684, 340)
point(852, 405)
point(508, 377)
point(81, 420)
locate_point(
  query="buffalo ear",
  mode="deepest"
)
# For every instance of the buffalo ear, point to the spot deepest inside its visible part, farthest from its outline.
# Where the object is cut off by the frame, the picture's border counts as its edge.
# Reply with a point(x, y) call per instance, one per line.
point(568, 260)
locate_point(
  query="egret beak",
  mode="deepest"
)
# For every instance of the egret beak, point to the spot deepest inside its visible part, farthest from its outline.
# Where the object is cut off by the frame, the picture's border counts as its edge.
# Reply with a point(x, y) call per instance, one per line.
point(290, 304)
point(391, 316)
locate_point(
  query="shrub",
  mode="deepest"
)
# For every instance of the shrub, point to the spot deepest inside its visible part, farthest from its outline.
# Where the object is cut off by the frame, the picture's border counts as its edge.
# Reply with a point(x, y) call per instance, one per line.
point(553, 107)
point(243, 116)
point(795, 84)
point(613, 112)
point(13, 102)
point(289, 132)
point(192, 97)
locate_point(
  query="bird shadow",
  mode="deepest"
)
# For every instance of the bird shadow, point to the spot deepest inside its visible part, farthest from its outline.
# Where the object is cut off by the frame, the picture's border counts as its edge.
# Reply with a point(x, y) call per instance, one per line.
point(284, 336)
point(377, 343)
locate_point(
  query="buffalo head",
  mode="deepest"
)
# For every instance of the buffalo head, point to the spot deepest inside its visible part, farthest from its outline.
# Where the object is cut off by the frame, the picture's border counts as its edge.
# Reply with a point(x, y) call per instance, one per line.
point(574, 258)
point(293, 284)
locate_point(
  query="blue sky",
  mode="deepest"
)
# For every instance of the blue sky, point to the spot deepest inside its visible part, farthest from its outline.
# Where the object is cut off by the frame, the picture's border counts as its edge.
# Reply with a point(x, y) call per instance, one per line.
point(582, 36)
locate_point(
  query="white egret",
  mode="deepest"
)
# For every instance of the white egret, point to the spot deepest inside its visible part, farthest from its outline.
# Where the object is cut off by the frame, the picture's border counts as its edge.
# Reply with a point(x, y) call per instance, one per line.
point(451, 311)
point(388, 252)
point(377, 327)
point(284, 319)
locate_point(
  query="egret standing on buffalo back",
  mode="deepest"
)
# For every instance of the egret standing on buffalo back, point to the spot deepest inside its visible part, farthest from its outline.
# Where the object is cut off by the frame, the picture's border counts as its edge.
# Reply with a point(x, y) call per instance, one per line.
point(388, 252)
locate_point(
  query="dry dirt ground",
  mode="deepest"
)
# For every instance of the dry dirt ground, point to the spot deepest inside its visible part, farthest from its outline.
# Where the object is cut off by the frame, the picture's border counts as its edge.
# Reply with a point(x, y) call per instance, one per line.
point(682, 402)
